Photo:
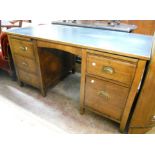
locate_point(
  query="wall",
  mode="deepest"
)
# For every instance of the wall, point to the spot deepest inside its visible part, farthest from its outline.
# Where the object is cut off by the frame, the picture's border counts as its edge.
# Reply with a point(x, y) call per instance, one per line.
point(144, 26)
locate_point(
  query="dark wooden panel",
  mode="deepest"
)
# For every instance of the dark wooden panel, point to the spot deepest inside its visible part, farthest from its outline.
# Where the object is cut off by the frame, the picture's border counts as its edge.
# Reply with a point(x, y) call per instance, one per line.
point(55, 64)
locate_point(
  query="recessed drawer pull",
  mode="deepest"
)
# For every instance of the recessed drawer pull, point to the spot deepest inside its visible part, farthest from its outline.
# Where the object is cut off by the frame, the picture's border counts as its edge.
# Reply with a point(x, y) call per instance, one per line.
point(23, 48)
point(108, 70)
point(103, 94)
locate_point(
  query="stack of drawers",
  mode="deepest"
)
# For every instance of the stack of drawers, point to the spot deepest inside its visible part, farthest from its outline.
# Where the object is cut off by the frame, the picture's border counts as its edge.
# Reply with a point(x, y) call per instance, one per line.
point(39, 67)
point(108, 82)
point(25, 60)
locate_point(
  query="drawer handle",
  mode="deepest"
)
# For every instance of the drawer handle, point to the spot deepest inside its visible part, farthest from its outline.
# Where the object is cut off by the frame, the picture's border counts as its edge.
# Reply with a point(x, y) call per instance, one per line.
point(24, 63)
point(153, 118)
point(93, 64)
point(103, 94)
point(108, 70)
point(92, 81)
point(23, 48)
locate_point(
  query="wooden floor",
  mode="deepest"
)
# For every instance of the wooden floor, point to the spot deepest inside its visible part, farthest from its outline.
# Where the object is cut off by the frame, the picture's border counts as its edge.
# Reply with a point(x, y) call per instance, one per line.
point(23, 108)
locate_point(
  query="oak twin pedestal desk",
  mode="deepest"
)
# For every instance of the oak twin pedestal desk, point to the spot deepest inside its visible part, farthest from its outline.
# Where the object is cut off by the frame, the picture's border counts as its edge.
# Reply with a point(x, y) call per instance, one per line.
point(112, 66)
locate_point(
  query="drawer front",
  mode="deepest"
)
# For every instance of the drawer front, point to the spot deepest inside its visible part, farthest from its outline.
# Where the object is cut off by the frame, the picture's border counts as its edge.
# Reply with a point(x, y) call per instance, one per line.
point(23, 48)
point(114, 69)
point(105, 97)
point(25, 64)
point(29, 78)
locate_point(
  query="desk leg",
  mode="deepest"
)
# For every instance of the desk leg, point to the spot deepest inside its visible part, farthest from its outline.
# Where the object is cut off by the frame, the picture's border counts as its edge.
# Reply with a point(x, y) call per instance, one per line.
point(73, 70)
point(83, 79)
point(73, 64)
point(43, 92)
point(21, 83)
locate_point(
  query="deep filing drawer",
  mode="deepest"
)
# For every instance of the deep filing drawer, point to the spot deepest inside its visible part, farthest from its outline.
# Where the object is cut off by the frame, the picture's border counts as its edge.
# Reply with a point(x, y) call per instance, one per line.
point(26, 64)
point(29, 78)
point(111, 68)
point(105, 97)
point(23, 48)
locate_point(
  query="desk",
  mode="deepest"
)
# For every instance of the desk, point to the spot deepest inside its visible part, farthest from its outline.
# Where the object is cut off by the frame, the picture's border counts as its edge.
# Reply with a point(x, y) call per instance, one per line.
point(112, 64)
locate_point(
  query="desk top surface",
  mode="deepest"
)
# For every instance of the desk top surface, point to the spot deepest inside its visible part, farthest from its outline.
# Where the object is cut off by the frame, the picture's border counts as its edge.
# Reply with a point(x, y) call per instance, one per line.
point(121, 43)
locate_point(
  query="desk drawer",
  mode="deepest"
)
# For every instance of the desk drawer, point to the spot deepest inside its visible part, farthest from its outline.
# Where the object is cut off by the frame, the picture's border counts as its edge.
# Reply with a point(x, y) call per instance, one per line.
point(22, 47)
point(111, 68)
point(105, 97)
point(29, 78)
point(26, 64)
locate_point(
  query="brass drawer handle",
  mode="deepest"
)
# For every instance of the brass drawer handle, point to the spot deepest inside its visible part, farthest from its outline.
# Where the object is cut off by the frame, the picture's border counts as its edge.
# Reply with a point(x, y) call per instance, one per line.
point(92, 81)
point(24, 63)
point(93, 63)
point(23, 48)
point(108, 70)
point(103, 94)
point(153, 118)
